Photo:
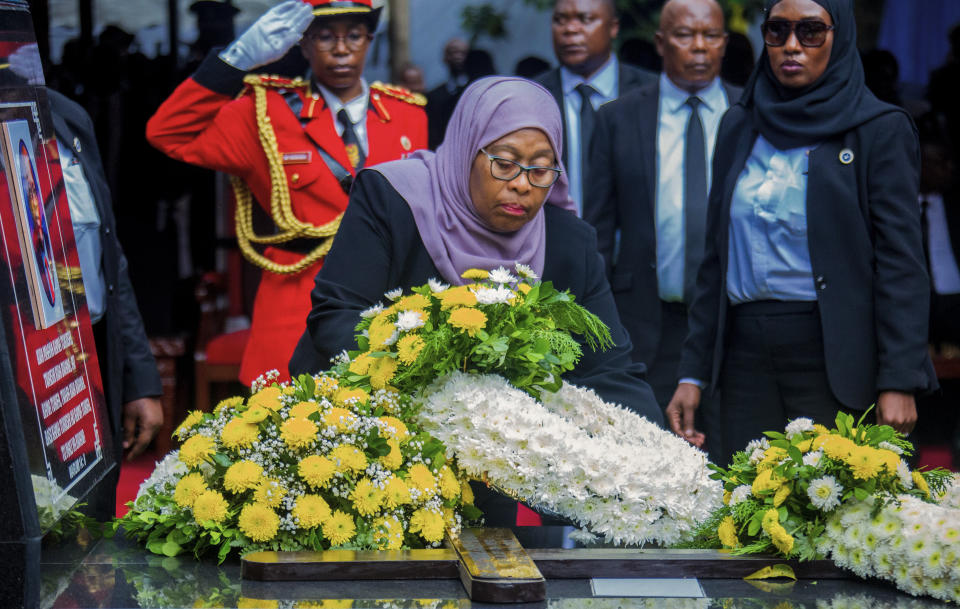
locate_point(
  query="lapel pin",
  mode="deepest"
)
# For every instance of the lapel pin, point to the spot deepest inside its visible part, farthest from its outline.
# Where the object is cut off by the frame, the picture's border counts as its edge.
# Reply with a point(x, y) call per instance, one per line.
point(846, 156)
point(405, 142)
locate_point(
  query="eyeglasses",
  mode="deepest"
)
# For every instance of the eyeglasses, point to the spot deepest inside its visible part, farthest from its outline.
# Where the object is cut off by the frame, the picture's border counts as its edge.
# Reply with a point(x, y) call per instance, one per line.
point(507, 170)
point(327, 41)
point(776, 33)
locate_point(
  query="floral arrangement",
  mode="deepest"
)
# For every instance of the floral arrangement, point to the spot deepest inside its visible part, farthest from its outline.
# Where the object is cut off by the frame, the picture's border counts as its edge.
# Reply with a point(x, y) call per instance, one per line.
point(800, 493)
point(616, 474)
point(308, 465)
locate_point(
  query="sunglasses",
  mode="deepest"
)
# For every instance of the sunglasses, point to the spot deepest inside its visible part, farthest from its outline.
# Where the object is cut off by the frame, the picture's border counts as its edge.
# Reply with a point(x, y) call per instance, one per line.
point(776, 33)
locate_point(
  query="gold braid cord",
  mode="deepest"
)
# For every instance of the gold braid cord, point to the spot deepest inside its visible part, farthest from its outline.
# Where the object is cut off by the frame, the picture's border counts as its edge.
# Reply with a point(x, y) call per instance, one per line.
point(290, 227)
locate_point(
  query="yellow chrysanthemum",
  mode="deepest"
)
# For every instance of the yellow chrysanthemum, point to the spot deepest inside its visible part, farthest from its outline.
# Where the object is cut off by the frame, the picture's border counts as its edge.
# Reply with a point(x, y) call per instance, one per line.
point(344, 396)
point(920, 482)
point(255, 414)
point(347, 457)
point(303, 409)
point(258, 522)
point(524, 288)
point(255, 603)
point(421, 478)
point(409, 348)
point(891, 460)
point(269, 492)
point(805, 445)
point(413, 302)
point(449, 485)
point(428, 523)
point(388, 533)
point(819, 429)
point(366, 498)
point(449, 517)
point(298, 432)
point(326, 385)
point(210, 506)
point(781, 539)
point(395, 493)
point(475, 274)
point(340, 419)
point(765, 481)
point(466, 493)
point(392, 427)
point(770, 518)
point(380, 331)
point(781, 495)
point(228, 403)
point(468, 320)
point(242, 476)
point(382, 371)
point(774, 454)
point(197, 449)
point(316, 470)
point(188, 489)
point(361, 365)
point(339, 528)
point(726, 497)
point(460, 296)
point(834, 446)
point(268, 397)
point(311, 511)
point(192, 419)
point(393, 459)
point(864, 462)
point(727, 531)
point(239, 434)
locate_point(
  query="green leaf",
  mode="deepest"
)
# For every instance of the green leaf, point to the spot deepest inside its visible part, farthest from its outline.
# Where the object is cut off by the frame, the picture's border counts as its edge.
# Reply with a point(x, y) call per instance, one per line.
point(860, 493)
point(772, 571)
point(222, 460)
point(171, 548)
point(156, 546)
point(795, 454)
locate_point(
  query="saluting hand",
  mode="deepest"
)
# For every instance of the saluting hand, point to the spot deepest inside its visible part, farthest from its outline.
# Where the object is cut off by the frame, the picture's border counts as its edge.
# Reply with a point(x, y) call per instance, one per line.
point(270, 37)
point(680, 413)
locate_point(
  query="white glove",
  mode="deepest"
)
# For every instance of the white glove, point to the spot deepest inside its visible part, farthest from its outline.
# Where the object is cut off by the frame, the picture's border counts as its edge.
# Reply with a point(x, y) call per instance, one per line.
point(270, 37)
point(25, 63)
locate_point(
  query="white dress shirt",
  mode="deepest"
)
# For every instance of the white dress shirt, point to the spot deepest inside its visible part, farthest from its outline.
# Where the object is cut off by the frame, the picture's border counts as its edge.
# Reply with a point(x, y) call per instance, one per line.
point(606, 83)
point(943, 264)
point(356, 110)
point(671, 137)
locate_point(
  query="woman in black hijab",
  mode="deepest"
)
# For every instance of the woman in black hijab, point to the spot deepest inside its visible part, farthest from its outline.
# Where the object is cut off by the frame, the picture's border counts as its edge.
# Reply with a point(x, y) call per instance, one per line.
point(813, 293)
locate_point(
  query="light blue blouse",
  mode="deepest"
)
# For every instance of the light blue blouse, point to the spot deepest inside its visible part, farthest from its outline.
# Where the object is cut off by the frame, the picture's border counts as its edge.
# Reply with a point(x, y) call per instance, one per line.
point(769, 258)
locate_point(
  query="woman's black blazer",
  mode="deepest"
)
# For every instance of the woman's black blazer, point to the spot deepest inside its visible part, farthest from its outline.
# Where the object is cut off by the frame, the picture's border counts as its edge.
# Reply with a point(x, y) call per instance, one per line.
point(378, 248)
point(863, 222)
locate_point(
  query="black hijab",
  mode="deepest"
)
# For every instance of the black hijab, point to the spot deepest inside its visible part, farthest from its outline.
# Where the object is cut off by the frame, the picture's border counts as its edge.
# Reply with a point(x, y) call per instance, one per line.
point(836, 103)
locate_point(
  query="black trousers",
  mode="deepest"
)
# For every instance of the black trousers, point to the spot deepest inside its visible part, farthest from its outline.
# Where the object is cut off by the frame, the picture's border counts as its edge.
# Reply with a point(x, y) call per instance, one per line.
point(774, 371)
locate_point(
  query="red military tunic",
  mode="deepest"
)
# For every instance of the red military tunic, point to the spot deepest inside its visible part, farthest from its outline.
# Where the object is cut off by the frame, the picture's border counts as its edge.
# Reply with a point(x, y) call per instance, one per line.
point(203, 123)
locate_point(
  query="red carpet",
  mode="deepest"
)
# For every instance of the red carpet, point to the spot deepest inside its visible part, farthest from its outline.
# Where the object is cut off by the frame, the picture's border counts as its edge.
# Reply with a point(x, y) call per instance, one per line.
point(132, 473)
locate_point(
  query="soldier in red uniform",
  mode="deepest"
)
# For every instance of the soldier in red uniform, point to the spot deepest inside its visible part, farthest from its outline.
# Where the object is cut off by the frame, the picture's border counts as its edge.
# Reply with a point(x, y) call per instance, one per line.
point(293, 146)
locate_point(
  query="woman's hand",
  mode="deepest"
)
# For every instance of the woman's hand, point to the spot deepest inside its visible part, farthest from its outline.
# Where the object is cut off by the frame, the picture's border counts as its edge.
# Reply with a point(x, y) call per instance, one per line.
point(898, 410)
point(680, 413)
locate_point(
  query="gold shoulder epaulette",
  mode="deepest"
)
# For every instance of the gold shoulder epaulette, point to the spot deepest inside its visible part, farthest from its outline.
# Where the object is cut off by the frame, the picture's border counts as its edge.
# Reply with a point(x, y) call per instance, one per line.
point(400, 93)
point(277, 82)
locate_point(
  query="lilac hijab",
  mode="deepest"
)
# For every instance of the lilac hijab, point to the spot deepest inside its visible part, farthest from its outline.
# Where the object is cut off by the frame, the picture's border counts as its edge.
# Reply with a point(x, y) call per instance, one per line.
point(437, 189)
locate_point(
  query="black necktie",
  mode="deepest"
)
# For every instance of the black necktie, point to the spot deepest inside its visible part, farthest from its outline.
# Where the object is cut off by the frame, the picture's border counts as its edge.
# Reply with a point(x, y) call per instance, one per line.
point(588, 117)
point(350, 140)
point(694, 197)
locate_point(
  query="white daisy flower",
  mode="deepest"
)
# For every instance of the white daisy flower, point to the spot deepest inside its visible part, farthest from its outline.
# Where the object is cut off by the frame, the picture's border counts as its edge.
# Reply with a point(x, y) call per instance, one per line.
point(740, 494)
point(891, 447)
point(501, 275)
point(813, 458)
point(436, 285)
point(525, 271)
point(500, 295)
point(798, 426)
point(824, 493)
point(762, 444)
point(372, 311)
point(903, 472)
point(394, 294)
point(757, 455)
point(409, 320)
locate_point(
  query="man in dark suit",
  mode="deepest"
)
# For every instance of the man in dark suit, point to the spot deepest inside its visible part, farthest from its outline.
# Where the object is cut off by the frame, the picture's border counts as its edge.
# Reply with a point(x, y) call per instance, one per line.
point(131, 381)
point(583, 35)
point(442, 99)
point(648, 179)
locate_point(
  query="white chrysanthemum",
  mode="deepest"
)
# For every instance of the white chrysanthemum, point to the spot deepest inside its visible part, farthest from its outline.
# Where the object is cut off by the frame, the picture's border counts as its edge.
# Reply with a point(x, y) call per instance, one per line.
point(813, 459)
point(372, 311)
point(757, 455)
point(891, 447)
point(798, 426)
point(501, 275)
point(393, 339)
point(525, 271)
point(761, 443)
point(394, 294)
point(740, 494)
point(903, 473)
point(824, 493)
point(499, 295)
point(409, 320)
point(436, 285)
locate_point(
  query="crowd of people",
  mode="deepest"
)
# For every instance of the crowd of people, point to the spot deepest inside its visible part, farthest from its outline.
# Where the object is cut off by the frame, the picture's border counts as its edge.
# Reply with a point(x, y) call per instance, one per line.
point(759, 237)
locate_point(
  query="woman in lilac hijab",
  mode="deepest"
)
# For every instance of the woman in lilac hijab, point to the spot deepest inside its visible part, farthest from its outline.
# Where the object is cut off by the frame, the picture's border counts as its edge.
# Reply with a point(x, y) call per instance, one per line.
point(494, 194)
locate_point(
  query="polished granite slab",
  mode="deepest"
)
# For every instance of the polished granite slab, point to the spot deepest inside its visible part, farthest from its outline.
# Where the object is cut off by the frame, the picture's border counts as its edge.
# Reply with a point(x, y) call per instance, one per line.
point(115, 573)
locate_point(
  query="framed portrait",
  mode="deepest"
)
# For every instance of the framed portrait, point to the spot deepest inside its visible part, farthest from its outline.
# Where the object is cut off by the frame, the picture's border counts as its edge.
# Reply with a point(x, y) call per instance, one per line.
point(33, 226)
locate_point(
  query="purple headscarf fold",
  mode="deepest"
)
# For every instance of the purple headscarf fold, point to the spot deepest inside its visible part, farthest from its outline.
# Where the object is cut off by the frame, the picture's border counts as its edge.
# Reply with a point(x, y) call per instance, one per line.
point(436, 185)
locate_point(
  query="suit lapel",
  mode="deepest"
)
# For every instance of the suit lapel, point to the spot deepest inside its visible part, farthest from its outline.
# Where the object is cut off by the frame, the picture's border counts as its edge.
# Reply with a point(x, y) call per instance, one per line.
point(649, 118)
point(551, 82)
